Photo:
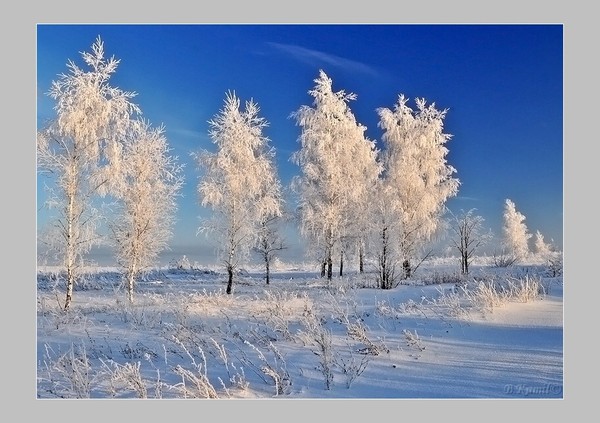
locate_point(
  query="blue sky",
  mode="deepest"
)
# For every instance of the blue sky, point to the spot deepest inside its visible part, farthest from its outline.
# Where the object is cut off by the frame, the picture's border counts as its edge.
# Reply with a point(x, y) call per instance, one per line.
point(502, 86)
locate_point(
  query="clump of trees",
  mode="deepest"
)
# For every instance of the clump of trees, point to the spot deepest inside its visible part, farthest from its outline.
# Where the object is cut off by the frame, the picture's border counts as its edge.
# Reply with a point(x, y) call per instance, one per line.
point(338, 173)
point(88, 150)
point(417, 179)
point(351, 191)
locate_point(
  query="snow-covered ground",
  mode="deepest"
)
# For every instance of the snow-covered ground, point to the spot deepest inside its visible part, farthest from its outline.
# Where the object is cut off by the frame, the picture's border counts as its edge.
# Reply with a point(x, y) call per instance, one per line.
point(499, 335)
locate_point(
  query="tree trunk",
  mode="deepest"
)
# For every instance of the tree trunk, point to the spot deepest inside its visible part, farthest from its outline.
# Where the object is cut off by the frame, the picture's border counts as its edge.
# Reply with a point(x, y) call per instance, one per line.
point(130, 278)
point(406, 267)
point(329, 241)
point(361, 258)
point(230, 279)
point(341, 264)
point(323, 267)
point(70, 283)
point(383, 259)
point(70, 249)
point(267, 268)
point(464, 252)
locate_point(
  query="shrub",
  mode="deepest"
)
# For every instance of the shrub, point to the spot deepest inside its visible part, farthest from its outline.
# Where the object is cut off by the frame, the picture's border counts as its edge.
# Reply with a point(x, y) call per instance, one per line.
point(503, 259)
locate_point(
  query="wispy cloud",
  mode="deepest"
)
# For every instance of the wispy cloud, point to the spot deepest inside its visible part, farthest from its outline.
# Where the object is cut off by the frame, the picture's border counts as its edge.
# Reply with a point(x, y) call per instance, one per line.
point(188, 133)
point(185, 140)
point(317, 58)
point(465, 198)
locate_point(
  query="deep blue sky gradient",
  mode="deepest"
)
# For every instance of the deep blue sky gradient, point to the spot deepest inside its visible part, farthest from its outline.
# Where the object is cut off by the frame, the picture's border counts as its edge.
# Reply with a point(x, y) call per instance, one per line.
point(502, 86)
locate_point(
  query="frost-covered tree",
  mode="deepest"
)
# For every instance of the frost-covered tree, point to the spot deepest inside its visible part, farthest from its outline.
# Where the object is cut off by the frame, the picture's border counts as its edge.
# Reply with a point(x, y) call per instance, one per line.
point(238, 181)
point(417, 172)
point(337, 165)
point(542, 248)
point(516, 235)
point(78, 149)
point(467, 228)
point(149, 183)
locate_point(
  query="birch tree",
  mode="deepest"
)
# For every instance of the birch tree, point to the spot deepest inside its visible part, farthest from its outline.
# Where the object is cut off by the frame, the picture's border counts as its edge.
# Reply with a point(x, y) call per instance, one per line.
point(78, 149)
point(237, 181)
point(516, 234)
point(149, 183)
point(417, 171)
point(334, 169)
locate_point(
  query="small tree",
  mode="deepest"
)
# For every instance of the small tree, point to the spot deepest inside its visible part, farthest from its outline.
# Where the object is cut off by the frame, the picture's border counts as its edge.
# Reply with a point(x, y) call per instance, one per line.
point(79, 148)
point(237, 181)
point(516, 235)
point(269, 242)
point(468, 236)
point(150, 181)
point(542, 248)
